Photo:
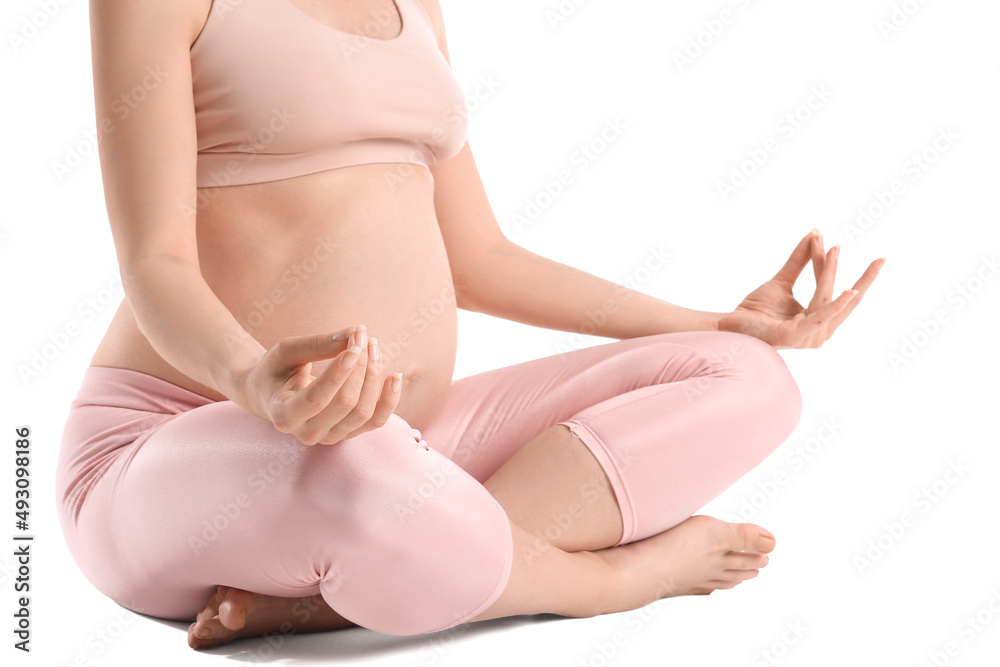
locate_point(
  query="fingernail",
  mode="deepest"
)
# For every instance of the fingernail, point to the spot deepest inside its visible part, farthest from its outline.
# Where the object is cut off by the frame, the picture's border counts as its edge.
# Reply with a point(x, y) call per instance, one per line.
point(373, 349)
point(362, 335)
point(397, 381)
point(817, 233)
point(341, 335)
point(853, 293)
point(351, 357)
point(765, 543)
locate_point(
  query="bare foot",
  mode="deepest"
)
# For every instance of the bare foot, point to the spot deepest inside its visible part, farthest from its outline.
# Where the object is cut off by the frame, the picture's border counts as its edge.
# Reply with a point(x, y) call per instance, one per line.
point(232, 613)
point(697, 556)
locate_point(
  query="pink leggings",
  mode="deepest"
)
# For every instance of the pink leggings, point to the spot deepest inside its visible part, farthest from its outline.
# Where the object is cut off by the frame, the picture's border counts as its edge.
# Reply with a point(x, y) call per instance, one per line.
point(163, 493)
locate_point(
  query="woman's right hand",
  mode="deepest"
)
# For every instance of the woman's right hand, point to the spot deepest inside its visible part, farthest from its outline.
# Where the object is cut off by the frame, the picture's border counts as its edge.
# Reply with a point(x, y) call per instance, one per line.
point(348, 398)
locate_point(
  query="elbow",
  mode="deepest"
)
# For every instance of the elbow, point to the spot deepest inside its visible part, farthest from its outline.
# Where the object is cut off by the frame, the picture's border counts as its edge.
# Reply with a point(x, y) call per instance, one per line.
point(143, 269)
point(144, 277)
point(465, 293)
point(477, 277)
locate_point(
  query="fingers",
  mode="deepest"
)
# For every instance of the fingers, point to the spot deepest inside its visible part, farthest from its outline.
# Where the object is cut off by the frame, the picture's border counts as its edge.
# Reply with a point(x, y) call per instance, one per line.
point(297, 350)
point(862, 285)
point(355, 403)
point(359, 408)
point(824, 283)
point(797, 261)
point(315, 397)
point(818, 256)
point(387, 404)
point(812, 326)
point(317, 408)
point(350, 396)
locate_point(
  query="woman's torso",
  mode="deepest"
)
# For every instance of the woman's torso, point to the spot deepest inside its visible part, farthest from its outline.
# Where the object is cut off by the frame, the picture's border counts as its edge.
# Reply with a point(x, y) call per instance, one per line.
point(318, 252)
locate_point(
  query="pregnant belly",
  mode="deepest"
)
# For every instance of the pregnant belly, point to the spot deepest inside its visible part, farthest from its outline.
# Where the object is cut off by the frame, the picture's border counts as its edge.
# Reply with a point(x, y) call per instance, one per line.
point(319, 253)
point(390, 274)
point(414, 321)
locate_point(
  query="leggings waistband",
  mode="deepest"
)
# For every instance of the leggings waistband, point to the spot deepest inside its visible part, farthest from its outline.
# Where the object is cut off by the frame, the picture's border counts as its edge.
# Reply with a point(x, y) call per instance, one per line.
point(135, 390)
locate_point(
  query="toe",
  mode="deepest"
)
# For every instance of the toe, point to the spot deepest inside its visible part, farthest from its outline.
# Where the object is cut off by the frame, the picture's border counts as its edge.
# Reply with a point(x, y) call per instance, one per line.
point(211, 607)
point(745, 561)
point(751, 537)
point(766, 542)
point(233, 608)
point(204, 629)
point(198, 636)
point(737, 576)
point(209, 633)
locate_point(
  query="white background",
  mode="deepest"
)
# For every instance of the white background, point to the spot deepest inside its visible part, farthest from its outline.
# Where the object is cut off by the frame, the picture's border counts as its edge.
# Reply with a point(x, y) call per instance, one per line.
point(898, 427)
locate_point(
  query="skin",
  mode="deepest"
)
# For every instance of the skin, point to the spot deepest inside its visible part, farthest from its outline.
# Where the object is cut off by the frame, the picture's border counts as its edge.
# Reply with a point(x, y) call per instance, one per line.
point(200, 265)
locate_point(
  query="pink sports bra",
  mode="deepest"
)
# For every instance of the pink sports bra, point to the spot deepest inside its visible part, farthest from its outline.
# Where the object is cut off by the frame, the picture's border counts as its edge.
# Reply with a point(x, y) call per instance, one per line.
point(278, 94)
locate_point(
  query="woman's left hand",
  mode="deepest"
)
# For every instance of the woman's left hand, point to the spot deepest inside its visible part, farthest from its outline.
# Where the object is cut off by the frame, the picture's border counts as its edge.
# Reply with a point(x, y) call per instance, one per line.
point(772, 314)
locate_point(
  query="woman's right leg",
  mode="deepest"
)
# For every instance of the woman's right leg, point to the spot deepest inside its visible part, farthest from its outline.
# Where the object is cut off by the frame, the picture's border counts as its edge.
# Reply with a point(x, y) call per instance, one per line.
point(390, 533)
point(162, 500)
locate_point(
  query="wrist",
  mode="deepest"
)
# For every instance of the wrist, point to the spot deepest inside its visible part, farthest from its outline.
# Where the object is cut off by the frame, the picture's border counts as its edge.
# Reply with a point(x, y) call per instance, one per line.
point(235, 383)
point(713, 321)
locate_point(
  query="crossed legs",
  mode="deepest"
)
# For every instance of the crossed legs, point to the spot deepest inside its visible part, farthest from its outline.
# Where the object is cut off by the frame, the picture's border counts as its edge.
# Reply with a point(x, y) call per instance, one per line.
point(598, 457)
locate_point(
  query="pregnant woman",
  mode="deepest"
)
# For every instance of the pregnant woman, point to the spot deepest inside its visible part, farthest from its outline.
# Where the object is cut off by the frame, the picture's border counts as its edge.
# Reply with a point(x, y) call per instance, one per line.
point(269, 437)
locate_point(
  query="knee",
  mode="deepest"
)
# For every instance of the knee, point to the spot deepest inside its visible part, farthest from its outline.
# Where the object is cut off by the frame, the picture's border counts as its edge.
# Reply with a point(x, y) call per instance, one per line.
point(424, 546)
point(772, 389)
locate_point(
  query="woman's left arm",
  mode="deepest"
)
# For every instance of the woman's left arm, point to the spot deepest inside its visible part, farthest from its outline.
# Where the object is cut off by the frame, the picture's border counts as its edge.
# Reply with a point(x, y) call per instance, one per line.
point(497, 277)
point(493, 275)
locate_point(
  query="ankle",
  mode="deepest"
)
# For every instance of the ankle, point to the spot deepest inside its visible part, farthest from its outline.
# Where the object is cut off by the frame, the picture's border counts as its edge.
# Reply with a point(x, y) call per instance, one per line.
point(633, 588)
point(611, 587)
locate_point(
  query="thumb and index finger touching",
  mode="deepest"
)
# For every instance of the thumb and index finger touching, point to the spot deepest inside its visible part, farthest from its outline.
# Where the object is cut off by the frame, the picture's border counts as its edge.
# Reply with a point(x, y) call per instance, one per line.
point(810, 247)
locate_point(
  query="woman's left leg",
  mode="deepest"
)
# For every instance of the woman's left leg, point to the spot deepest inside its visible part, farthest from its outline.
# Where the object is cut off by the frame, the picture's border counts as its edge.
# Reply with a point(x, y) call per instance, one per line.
point(617, 442)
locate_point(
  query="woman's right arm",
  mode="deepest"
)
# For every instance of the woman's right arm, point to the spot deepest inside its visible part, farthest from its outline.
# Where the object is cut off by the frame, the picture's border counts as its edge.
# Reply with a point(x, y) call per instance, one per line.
point(148, 147)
